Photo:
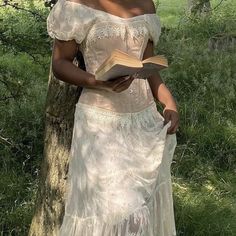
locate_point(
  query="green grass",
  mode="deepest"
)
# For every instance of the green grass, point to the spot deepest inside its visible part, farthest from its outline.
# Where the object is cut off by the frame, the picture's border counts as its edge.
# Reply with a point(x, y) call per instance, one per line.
point(24, 68)
point(203, 82)
point(173, 12)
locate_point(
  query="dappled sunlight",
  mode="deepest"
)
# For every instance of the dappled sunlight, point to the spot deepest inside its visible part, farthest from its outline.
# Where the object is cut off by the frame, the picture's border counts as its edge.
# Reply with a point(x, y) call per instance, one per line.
point(201, 78)
point(203, 209)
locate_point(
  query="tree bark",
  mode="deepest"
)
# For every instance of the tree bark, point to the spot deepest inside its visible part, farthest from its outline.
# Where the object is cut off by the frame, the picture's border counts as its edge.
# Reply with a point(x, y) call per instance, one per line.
point(59, 121)
point(224, 41)
point(199, 7)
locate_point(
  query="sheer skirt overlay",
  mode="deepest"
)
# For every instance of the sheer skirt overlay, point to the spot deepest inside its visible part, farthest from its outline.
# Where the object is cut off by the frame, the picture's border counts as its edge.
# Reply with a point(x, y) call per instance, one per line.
point(122, 165)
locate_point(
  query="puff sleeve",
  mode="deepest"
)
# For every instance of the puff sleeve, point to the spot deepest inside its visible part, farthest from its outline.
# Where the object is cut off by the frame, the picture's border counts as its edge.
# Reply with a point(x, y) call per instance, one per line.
point(154, 27)
point(67, 21)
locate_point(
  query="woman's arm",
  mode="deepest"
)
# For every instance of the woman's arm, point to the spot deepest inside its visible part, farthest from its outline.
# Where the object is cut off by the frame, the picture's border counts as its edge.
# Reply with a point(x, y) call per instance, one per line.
point(63, 68)
point(163, 94)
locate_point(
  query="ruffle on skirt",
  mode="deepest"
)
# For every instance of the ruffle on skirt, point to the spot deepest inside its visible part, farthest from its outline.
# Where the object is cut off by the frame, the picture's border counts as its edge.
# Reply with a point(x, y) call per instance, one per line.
point(119, 180)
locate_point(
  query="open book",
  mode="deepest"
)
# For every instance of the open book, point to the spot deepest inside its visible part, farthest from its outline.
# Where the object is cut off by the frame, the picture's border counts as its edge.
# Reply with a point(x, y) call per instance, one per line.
point(121, 64)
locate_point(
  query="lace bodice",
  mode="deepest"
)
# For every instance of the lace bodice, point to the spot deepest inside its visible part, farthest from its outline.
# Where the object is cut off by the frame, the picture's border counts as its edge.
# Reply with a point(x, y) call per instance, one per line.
point(98, 33)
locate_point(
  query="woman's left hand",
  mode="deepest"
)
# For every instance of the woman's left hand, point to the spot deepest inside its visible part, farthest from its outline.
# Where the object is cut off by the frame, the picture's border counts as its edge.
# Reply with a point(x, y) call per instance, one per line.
point(171, 114)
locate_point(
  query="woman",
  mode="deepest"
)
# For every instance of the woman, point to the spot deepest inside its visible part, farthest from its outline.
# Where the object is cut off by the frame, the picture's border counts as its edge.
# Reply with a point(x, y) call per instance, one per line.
point(119, 180)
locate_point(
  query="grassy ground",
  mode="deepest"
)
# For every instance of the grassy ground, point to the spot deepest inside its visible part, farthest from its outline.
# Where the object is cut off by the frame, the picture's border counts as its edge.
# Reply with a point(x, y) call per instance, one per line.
point(203, 82)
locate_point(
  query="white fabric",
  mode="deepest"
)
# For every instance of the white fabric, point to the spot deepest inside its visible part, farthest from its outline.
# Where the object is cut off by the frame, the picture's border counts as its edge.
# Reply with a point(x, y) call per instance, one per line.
point(119, 180)
point(98, 34)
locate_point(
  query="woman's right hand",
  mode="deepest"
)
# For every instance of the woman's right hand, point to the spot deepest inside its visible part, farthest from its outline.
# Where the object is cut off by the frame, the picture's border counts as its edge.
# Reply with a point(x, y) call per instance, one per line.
point(116, 85)
point(63, 68)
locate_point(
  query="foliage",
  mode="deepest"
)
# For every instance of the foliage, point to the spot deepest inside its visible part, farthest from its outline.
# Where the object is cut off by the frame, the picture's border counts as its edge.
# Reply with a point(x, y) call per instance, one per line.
point(203, 82)
point(24, 63)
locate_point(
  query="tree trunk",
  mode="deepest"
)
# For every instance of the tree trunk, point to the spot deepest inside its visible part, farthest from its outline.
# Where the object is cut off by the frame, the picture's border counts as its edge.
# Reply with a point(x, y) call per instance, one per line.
point(224, 41)
point(59, 121)
point(199, 7)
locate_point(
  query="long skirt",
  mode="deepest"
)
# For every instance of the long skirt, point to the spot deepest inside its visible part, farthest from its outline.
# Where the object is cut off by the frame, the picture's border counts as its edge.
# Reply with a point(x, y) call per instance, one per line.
point(119, 179)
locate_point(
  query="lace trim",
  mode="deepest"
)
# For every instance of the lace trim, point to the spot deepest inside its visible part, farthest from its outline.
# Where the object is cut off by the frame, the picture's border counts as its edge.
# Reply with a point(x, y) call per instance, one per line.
point(139, 216)
point(97, 114)
point(75, 27)
point(97, 110)
point(113, 30)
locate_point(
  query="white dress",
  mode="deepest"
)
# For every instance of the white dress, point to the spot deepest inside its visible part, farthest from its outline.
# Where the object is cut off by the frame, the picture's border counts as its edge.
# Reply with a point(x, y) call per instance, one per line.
point(119, 180)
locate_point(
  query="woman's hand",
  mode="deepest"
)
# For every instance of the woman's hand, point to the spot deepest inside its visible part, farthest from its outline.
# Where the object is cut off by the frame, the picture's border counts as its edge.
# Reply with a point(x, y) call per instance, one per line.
point(162, 94)
point(171, 114)
point(63, 68)
point(116, 85)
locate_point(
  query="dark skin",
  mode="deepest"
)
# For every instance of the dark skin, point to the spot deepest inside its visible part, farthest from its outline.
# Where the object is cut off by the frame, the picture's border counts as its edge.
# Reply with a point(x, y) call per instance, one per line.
point(65, 51)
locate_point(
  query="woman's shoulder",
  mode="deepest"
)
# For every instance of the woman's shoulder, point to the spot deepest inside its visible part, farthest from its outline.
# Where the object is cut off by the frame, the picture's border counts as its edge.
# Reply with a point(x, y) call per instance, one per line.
point(67, 21)
point(154, 23)
point(148, 6)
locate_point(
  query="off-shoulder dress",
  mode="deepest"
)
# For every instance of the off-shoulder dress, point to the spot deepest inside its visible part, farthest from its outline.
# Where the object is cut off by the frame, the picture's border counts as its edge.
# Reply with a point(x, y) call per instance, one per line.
point(119, 178)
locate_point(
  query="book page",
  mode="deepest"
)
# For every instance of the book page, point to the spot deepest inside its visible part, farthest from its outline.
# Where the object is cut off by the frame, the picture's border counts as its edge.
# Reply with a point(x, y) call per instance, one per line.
point(149, 69)
point(117, 71)
point(158, 59)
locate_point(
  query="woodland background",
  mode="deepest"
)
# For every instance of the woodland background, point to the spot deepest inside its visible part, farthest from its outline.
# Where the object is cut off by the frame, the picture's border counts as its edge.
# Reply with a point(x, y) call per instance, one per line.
point(201, 48)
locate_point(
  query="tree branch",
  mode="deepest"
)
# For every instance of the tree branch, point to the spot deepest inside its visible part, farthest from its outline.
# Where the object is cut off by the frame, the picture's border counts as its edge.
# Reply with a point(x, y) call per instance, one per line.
point(17, 7)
